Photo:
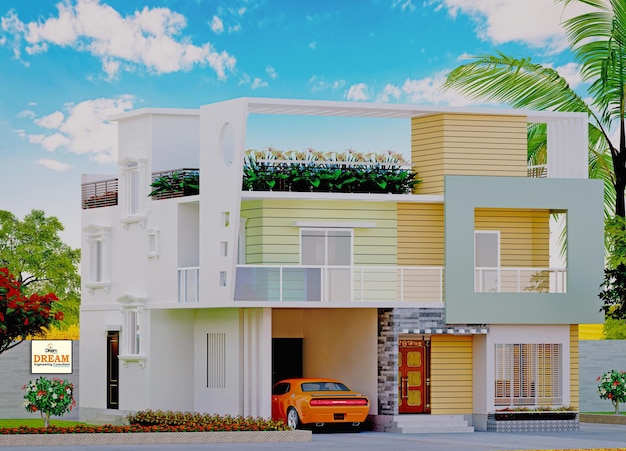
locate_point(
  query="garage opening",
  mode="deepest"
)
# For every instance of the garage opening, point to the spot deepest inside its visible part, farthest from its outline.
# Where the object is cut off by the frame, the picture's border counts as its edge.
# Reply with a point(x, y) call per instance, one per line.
point(286, 358)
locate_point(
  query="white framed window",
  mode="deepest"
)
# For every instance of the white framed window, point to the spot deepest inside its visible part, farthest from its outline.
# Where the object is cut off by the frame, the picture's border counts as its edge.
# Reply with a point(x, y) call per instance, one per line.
point(98, 246)
point(131, 341)
point(153, 243)
point(133, 197)
point(326, 247)
point(328, 253)
point(487, 261)
point(528, 374)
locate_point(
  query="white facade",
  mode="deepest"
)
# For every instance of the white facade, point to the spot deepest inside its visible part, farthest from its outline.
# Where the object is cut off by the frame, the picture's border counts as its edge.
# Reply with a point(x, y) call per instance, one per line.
point(203, 350)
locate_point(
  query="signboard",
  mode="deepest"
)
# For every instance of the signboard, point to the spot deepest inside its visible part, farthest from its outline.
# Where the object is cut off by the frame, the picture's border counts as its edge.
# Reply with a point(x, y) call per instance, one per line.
point(51, 356)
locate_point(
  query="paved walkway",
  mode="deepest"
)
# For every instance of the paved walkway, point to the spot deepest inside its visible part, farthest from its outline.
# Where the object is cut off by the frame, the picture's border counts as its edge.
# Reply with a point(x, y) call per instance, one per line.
point(590, 436)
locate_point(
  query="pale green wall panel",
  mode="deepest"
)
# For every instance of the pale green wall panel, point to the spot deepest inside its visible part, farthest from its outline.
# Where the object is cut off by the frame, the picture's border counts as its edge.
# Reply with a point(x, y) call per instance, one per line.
point(583, 200)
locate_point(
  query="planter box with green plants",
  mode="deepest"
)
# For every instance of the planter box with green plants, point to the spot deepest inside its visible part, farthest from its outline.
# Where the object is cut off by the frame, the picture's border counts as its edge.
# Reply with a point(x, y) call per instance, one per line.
point(313, 171)
point(306, 171)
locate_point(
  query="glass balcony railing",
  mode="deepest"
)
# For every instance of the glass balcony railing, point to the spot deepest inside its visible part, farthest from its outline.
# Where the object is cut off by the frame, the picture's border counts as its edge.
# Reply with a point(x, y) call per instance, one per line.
point(283, 283)
point(360, 284)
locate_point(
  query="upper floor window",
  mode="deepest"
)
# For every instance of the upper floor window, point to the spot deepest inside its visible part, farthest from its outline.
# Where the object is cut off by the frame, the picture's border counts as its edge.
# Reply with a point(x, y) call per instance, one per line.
point(326, 247)
point(97, 271)
point(134, 192)
point(487, 261)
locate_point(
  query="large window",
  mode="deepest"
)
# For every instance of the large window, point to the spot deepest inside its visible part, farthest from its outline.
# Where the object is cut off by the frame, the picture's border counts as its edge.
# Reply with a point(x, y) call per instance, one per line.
point(332, 250)
point(528, 375)
point(326, 247)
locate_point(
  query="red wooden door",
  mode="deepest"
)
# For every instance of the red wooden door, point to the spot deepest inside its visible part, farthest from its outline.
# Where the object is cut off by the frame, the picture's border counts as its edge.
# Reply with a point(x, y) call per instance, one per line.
point(413, 376)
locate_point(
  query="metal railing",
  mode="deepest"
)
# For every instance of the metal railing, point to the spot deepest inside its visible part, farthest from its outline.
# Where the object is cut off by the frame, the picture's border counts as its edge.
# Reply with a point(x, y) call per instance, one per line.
point(102, 193)
point(538, 171)
point(520, 280)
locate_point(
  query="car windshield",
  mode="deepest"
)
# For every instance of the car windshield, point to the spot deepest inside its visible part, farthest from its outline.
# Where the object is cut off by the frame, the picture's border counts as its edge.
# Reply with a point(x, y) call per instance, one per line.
point(323, 386)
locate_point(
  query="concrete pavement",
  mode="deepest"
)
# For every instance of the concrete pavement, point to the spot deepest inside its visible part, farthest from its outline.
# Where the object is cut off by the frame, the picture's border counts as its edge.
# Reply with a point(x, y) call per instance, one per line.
point(590, 436)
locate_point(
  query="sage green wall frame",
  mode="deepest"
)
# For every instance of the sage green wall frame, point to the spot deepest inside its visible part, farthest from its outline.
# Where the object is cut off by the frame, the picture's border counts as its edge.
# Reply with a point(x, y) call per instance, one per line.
point(583, 201)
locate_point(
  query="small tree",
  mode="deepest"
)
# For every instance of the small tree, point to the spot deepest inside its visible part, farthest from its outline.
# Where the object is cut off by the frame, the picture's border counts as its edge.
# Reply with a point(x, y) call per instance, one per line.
point(22, 316)
point(49, 397)
point(612, 385)
point(33, 251)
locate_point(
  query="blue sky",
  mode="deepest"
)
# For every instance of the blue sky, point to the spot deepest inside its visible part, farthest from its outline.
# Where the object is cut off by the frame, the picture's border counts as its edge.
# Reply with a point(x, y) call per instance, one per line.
point(68, 66)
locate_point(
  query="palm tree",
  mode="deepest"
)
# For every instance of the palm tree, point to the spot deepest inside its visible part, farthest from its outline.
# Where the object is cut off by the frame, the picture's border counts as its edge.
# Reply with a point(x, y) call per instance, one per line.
point(598, 41)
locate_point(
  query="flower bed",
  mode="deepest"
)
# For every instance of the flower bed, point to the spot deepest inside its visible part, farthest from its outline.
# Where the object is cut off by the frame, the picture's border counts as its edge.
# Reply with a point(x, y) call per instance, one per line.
point(156, 427)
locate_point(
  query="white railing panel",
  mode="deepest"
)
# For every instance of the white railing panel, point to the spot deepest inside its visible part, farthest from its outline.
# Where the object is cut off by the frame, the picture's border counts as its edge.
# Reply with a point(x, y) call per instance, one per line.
point(188, 284)
point(520, 280)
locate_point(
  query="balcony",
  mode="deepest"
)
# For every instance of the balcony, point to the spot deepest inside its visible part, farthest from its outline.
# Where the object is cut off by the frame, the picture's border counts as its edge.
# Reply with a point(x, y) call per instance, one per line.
point(360, 284)
point(520, 280)
point(102, 193)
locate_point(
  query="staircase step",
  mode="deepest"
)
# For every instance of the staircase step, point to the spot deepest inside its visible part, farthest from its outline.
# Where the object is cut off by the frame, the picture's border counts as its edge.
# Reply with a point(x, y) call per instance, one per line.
point(436, 430)
point(424, 424)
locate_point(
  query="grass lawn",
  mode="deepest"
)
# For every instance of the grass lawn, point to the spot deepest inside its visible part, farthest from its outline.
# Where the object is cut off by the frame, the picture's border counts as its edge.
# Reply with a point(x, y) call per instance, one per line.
point(35, 423)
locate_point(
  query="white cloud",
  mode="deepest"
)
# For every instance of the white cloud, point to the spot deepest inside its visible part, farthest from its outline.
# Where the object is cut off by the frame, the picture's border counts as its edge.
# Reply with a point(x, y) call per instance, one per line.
point(55, 165)
point(29, 114)
point(258, 83)
point(312, 45)
point(84, 129)
point(571, 72)
point(217, 25)
point(318, 83)
point(53, 120)
point(428, 91)
point(358, 92)
point(534, 22)
point(150, 38)
point(49, 143)
point(389, 91)
point(271, 72)
point(403, 5)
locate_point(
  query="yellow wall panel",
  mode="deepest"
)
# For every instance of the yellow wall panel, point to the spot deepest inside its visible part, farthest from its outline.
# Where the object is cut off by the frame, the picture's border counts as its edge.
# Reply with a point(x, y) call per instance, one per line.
point(451, 374)
point(574, 366)
point(420, 234)
point(524, 235)
point(464, 144)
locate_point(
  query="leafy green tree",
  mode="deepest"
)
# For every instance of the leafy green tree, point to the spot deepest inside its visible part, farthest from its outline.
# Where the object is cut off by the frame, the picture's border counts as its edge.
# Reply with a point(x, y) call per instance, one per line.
point(614, 329)
point(598, 41)
point(32, 250)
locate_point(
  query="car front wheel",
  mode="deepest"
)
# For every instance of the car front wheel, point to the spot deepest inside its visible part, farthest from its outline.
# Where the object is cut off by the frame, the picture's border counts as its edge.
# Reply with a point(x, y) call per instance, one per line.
point(293, 420)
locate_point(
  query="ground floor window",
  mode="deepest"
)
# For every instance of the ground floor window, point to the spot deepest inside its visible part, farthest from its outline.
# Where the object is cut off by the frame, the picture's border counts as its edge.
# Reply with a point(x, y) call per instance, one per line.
point(528, 374)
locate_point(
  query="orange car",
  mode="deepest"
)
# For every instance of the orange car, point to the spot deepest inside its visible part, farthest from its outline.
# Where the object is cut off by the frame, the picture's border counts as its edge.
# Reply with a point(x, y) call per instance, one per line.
point(317, 401)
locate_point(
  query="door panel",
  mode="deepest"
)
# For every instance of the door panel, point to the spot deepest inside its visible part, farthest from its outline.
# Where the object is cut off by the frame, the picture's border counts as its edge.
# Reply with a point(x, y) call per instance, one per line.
point(413, 376)
point(113, 369)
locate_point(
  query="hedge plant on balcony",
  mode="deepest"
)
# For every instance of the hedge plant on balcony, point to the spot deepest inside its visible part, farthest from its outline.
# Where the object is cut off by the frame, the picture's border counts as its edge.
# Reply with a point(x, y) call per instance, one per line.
point(310, 170)
point(183, 182)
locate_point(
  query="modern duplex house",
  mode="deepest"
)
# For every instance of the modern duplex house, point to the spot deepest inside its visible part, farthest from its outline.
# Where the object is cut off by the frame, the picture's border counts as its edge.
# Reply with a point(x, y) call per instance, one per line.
point(442, 303)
